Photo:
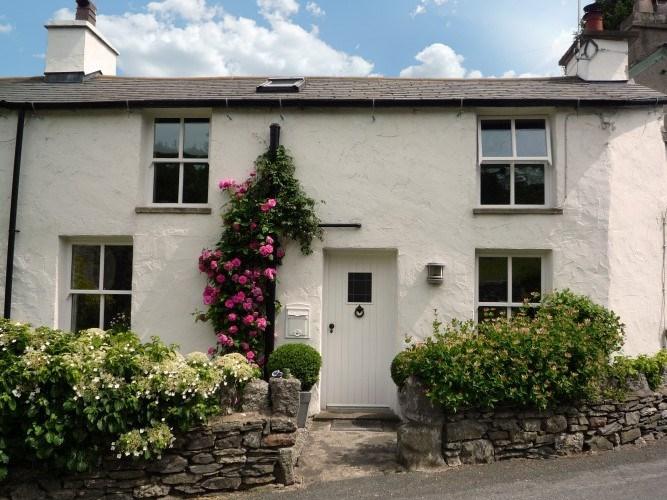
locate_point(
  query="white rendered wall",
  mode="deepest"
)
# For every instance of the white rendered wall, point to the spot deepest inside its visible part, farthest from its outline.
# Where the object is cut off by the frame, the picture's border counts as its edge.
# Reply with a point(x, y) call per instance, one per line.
point(608, 62)
point(77, 46)
point(7, 140)
point(409, 177)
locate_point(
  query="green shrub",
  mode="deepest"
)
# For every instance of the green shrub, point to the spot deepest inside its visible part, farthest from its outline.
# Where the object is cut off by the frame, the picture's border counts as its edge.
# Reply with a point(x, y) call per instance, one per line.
point(68, 399)
point(560, 355)
point(624, 368)
point(400, 367)
point(302, 361)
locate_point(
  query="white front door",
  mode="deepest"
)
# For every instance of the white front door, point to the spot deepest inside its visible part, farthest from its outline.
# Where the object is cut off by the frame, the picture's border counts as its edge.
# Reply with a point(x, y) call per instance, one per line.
point(359, 329)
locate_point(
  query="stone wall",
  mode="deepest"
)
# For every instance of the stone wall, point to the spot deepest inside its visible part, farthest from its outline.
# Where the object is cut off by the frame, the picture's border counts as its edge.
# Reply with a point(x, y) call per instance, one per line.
point(429, 438)
point(231, 452)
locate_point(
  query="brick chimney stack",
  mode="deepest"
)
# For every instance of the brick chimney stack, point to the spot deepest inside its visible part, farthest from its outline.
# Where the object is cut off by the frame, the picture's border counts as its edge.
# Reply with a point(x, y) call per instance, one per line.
point(86, 11)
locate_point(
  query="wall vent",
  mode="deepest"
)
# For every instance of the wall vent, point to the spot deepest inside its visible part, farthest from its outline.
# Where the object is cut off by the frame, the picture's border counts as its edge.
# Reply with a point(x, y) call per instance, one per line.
point(281, 85)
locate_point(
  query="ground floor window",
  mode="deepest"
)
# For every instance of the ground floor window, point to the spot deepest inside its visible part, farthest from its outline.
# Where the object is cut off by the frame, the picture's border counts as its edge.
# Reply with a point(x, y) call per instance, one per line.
point(100, 285)
point(506, 282)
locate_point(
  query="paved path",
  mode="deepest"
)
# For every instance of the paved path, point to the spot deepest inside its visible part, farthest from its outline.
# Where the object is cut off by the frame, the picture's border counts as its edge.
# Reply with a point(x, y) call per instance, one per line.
point(630, 473)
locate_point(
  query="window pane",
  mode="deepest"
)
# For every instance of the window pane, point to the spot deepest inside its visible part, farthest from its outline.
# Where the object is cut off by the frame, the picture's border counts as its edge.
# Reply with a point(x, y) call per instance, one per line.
point(117, 267)
point(490, 313)
point(495, 185)
point(85, 312)
point(195, 142)
point(527, 311)
point(85, 267)
point(195, 183)
point(496, 138)
point(526, 278)
point(117, 309)
point(531, 138)
point(360, 287)
point(165, 182)
point(529, 184)
point(167, 133)
point(493, 279)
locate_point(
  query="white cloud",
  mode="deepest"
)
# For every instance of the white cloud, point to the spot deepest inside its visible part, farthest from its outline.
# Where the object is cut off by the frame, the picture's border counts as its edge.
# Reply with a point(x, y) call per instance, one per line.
point(315, 9)
point(190, 10)
point(165, 40)
point(420, 8)
point(277, 9)
point(5, 28)
point(439, 61)
point(63, 14)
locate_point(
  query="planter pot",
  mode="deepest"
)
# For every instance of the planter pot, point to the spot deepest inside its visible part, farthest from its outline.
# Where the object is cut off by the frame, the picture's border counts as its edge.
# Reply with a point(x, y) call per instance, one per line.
point(304, 403)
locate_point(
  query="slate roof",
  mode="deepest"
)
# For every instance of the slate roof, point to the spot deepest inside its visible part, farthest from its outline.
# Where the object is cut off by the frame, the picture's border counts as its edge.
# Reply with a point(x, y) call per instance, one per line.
point(127, 91)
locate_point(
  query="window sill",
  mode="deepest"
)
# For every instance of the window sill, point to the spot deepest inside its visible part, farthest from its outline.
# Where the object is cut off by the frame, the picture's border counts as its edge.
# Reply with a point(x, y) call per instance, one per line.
point(174, 210)
point(517, 211)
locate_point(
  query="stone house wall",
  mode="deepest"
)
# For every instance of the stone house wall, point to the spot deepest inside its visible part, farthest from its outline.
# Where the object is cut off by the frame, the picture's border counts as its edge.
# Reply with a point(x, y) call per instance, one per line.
point(429, 438)
point(230, 452)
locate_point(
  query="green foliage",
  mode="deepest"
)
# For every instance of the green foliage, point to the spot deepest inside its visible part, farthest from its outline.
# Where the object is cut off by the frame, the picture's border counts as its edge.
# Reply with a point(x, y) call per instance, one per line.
point(301, 360)
point(560, 355)
point(615, 12)
point(68, 399)
point(624, 368)
point(400, 367)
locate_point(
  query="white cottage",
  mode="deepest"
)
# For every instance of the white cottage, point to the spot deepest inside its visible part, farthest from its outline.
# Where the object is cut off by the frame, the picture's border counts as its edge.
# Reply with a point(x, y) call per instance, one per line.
point(108, 188)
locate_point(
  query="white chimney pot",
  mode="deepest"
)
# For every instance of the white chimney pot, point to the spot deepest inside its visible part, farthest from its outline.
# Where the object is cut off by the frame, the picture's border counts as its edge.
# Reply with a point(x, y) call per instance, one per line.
point(78, 47)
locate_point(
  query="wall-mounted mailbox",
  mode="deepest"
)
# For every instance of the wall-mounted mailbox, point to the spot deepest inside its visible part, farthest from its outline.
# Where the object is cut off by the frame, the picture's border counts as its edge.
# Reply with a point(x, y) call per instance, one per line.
point(298, 321)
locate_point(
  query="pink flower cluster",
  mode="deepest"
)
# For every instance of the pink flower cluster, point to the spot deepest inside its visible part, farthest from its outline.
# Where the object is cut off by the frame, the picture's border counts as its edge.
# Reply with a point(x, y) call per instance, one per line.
point(268, 205)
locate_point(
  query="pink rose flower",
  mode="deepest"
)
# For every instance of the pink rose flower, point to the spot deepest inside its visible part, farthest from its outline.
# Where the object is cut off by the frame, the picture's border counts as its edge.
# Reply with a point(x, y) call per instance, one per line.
point(253, 226)
point(249, 319)
point(236, 227)
point(256, 291)
point(236, 262)
point(232, 317)
point(229, 304)
point(214, 264)
point(266, 250)
point(235, 278)
point(228, 266)
point(250, 355)
point(226, 183)
point(247, 306)
point(243, 280)
point(269, 240)
point(245, 346)
point(270, 273)
point(271, 203)
point(259, 298)
point(233, 329)
point(211, 351)
point(220, 278)
point(261, 323)
point(252, 333)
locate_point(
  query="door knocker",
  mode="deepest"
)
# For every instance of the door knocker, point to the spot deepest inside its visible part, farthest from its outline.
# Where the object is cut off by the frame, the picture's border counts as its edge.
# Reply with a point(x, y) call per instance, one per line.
point(359, 312)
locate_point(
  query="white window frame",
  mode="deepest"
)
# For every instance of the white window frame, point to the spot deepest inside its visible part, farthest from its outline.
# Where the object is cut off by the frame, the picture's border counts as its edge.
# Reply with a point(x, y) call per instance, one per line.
point(545, 278)
point(180, 160)
point(100, 284)
point(515, 160)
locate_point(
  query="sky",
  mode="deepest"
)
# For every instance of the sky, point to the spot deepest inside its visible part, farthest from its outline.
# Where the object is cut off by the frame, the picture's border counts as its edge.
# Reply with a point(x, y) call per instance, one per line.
point(410, 38)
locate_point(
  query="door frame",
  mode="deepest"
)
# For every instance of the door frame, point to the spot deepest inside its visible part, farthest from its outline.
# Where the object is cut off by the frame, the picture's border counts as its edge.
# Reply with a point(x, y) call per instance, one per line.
point(392, 254)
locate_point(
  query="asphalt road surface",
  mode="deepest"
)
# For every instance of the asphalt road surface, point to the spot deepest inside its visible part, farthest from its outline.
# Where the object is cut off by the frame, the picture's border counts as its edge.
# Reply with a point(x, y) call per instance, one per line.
point(629, 473)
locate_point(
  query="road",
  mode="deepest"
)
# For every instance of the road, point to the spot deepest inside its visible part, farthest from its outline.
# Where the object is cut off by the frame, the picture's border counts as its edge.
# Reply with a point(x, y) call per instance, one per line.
point(629, 473)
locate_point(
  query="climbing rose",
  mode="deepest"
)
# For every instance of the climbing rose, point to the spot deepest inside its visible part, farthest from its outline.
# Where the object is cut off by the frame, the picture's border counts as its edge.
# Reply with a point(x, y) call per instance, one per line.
point(233, 329)
point(220, 278)
point(231, 317)
point(249, 319)
point(270, 273)
point(229, 304)
point(261, 324)
point(226, 183)
point(269, 240)
point(250, 355)
point(236, 262)
point(280, 253)
point(243, 280)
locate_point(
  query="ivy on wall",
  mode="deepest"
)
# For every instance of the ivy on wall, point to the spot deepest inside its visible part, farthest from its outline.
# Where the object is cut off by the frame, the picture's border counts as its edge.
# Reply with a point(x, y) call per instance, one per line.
point(267, 208)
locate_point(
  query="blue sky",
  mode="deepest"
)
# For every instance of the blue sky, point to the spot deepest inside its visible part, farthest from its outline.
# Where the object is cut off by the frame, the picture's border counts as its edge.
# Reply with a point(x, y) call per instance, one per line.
point(436, 38)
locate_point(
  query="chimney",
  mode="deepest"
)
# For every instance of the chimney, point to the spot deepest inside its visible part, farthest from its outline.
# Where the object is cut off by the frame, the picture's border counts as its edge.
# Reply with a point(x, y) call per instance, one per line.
point(86, 11)
point(597, 54)
point(77, 49)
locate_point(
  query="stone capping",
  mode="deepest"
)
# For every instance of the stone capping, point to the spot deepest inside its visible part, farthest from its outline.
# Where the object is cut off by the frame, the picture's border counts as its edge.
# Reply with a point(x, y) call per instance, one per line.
point(230, 452)
point(516, 211)
point(174, 210)
point(429, 438)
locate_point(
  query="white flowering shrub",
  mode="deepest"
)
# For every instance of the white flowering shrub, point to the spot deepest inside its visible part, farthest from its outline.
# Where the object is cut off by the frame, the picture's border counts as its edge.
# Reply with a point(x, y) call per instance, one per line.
point(68, 399)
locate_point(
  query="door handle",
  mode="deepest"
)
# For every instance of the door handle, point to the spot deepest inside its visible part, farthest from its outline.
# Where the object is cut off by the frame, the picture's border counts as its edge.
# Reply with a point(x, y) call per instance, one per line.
point(331, 327)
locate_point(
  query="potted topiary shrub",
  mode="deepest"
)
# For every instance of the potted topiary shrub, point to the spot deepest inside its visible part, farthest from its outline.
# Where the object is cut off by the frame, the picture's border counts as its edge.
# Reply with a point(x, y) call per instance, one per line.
point(302, 362)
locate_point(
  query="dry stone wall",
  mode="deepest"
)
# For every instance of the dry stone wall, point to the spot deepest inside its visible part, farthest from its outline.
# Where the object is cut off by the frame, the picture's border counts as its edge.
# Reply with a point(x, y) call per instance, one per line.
point(430, 438)
point(231, 452)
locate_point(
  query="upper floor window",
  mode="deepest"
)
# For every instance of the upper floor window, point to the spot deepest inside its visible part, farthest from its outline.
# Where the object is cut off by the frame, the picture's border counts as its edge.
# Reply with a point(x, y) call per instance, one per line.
point(100, 286)
point(515, 156)
point(180, 160)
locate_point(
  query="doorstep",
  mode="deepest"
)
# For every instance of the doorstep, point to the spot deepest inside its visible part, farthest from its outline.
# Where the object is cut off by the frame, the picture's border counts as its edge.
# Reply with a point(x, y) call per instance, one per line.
point(377, 415)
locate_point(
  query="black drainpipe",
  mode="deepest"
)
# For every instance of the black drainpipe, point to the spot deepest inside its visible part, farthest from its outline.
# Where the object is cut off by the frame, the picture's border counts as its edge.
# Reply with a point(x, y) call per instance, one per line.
point(269, 334)
point(11, 240)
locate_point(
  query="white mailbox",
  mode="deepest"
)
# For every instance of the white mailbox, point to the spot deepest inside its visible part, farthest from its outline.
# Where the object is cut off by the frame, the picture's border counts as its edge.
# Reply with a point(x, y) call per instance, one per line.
point(298, 321)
